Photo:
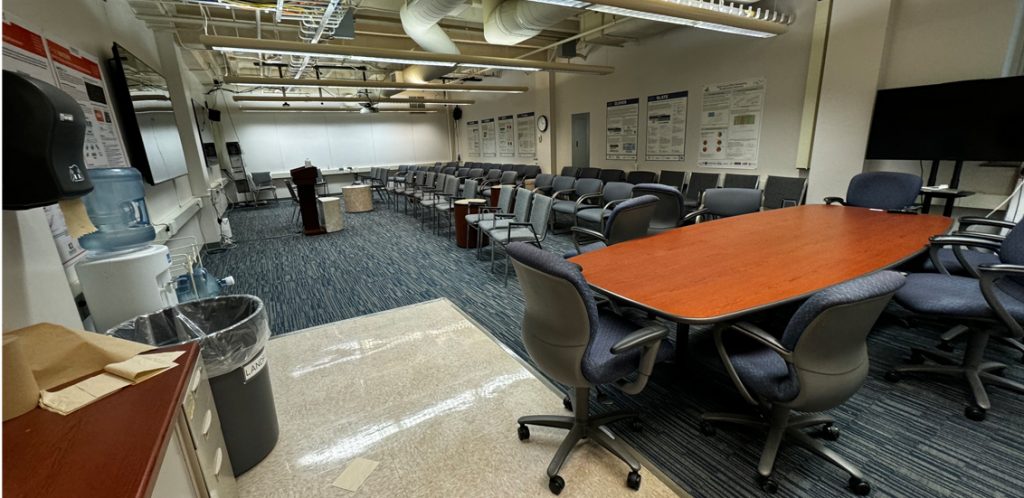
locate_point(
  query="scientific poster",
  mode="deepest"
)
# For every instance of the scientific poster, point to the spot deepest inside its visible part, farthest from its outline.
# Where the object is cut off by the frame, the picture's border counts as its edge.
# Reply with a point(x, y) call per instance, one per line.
point(487, 137)
point(78, 74)
point(474, 138)
point(506, 136)
point(622, 118)
point(666, 127)
point(730, 126)
point(526, 134)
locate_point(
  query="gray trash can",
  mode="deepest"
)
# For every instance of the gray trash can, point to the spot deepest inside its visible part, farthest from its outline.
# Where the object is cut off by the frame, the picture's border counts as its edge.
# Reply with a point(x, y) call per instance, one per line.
point(232, 332)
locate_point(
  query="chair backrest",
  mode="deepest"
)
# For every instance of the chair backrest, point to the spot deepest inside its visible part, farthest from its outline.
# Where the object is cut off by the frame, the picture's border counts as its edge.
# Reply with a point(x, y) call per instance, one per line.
point(402, 169)
point(568, 171)
point(670, 209)
point(475, 173)
point(508, 177)
point(410, 180)
point(530, 172)
point(560, 314)
point(540, 214)
point(673, 179)
point(449, 170)
point(429, 179)
point(262, 179)
point(585, 186)
point(732, 180)
point(561, 183)
point(637, 177)
point(462, 172)
point(725, 202)
point(492, 174)
point(469, 189)
point(451, 185)
point(883, 190)
point(291, 190)
point(616, 191)
point(543, 180)
point(828, 337)
point(507, 167)
point(784, 191)
point(630, 219)
point(588, 172)
point(521, 209)
point(505, 198)
point(611, 175)
point(700, 182)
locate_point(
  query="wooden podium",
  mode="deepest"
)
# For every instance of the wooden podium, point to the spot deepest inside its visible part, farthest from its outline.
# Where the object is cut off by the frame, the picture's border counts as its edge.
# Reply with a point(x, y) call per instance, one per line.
point(304, 179)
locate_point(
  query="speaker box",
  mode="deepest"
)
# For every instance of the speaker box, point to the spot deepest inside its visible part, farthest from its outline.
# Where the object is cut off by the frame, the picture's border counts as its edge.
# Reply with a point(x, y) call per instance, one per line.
point(214, 115)
point(457, 113)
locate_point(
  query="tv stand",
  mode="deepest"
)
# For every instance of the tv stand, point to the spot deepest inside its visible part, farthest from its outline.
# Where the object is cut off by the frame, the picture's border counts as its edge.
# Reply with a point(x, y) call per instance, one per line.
point(950, 194)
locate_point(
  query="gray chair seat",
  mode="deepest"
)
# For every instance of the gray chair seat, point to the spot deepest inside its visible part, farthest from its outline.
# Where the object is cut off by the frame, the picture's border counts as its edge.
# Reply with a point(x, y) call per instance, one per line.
point(599, 365)
point(593, 215)
point(591, 247)
point(563, 206)
point(942, 295)
point(952, 265)
point(504, 236)
point(487, 225)
point(474, 218)
point(763, 371)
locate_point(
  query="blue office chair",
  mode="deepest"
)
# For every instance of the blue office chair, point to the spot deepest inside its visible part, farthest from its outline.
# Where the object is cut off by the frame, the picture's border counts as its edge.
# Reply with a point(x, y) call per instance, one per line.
point(996, 297)
point(881, 190)
point(820, 361)
point(578, 344)
point(725, 202)
point(630, 219)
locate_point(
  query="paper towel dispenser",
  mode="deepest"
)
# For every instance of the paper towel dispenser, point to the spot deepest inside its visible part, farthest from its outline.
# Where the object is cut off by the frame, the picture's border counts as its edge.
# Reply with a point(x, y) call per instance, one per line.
point(44, 132)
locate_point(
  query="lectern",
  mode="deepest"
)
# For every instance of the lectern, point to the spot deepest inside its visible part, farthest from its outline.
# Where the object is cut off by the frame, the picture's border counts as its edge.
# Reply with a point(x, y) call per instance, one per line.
point(304, 179)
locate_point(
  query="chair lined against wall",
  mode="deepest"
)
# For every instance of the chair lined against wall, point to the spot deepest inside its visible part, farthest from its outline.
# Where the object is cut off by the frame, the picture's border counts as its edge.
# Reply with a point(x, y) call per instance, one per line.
point(588, 172)
point(725, 202)
point(638, 177)
point(784, 191)
point(670, 209)
point(611, 175)
point(628, 220)
point(674, 179)
point(612, 194)
point(532, 231)
point(260, 182)
point(733, 180)
point(568, 202)
point(522, 203)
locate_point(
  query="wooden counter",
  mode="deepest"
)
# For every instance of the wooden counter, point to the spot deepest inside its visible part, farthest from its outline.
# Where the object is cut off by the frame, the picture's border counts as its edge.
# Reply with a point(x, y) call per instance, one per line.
point(112, 448)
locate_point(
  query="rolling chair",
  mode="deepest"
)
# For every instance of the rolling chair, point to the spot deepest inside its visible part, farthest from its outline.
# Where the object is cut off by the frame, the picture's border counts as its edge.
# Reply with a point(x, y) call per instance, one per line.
point(580, 345)
point(630, 219)
point(881, 190)
point(726, 202)
point(670, 210)
point(820, 361)
point(949, 263)
point(995, 297)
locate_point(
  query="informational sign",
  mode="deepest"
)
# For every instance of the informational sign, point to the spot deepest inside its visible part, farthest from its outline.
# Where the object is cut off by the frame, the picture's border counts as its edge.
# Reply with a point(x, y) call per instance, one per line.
point(474, 138)
point(622, 118)
point(488, 137)
point(730, 125)
point(506, 136)
point(78, 74)
point(666, 127)
point(526, 134)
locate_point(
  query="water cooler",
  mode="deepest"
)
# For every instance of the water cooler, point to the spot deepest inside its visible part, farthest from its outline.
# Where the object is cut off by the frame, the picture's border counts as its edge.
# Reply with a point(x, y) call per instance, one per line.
point(122, 275)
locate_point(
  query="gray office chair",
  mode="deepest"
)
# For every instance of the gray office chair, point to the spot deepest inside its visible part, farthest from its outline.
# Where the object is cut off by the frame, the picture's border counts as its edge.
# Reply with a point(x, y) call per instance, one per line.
point(630, 219)
point(670, 210)
point(522, 203)
point(488, 214)
point(699, 183)
point(533, 231)
point(726, 202)
point(881, 190)
point(580, 345)
point(820, 361)
point(992, 304)
point(569, 202)
point(259, 183)
point(733, 180)
point(674, 179)
point(543, 183)
point(784, 191)
point(295, 200)
point(612, 194)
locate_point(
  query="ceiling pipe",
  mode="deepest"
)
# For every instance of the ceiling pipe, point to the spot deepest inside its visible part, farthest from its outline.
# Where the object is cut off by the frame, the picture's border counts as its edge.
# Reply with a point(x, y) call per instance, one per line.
point(419, 20)
point(511, 22)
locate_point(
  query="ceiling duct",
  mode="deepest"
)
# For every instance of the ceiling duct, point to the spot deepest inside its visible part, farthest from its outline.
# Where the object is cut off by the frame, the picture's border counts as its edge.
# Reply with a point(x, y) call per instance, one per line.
point(419, 20)
point(511, 22)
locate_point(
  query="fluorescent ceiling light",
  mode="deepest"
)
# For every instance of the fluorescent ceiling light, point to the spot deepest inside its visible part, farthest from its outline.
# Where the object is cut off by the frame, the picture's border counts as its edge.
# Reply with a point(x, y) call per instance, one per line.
point(336, 109)
point(376, 85)
point(700, 14)
point(371, 54)
point(382, 100)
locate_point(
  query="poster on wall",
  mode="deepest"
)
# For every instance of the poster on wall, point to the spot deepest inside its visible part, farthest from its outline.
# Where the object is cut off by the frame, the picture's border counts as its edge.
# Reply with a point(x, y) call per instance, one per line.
point(506, 136)
point(730, 124)
point(526, 134)
point(78, 74)
point(622, 118)
point(487, 137)
point(666, 127)
point(474, 138)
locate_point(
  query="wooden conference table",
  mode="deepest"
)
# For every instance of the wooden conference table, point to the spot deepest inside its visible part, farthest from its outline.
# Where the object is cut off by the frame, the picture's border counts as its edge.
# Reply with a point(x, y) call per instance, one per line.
point(721, 270)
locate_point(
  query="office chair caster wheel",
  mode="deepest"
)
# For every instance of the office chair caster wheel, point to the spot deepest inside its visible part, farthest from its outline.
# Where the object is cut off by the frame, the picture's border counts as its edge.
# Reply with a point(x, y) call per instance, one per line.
point(633, 480)
point(707, 429)
point(946, 346)
point(830, 432)
point(859, 486)
point(974, 413)
point(893, 376)
point(567, 403)
point(524, 433)
point(556, 484)
point(767, 484)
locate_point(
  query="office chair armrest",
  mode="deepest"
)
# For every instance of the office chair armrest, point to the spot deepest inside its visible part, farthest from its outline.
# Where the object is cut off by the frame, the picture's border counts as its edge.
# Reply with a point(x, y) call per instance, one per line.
point(829, 200)
point(504, 215)
point(993, 237)
point(586, 231)
point(652, 333)
point(693, 215)
point(649, 338)
point(988, 275)
point(611, 204)
point(560, 193)
point(526, 224)
point(754, 332)
point(760, 335)
point(583, 198)
point(968, 221)
point(958, 242)
point(543, 190)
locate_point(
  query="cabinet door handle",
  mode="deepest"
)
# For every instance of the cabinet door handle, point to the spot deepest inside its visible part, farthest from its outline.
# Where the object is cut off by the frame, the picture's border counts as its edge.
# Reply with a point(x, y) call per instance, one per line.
point(218, 461)
point(207, 422)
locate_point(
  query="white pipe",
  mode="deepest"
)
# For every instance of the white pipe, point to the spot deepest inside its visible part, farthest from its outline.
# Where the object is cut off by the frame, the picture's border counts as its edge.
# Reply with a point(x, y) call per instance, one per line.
point(419, 19)
point(515, 21)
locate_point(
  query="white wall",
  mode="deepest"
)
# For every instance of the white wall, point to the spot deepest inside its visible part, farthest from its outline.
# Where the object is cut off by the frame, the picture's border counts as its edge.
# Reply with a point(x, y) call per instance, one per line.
point(492, 105)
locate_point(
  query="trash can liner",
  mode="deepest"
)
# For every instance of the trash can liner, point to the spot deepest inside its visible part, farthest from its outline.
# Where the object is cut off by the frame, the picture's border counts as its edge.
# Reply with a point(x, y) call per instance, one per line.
point(231, 330)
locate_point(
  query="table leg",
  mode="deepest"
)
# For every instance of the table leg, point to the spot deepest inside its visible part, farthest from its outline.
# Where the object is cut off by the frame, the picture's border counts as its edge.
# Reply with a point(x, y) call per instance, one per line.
point(682, 343)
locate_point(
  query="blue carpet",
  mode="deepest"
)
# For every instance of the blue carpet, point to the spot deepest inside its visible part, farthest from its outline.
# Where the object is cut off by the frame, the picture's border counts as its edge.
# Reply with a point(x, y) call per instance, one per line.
point(910, 439)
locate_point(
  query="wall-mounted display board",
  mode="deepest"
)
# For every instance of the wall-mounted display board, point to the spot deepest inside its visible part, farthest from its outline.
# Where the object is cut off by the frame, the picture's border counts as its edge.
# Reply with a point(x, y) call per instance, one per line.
point(622, 119)
point(526, 134)
point(473, 128)
point(488, 137)
point(506, 136)
point(730, 125)
point(666, 127)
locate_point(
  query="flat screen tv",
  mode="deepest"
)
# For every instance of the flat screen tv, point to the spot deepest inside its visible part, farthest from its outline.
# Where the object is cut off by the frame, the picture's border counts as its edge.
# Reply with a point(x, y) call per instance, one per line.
point(975, 120)
point(147, 119)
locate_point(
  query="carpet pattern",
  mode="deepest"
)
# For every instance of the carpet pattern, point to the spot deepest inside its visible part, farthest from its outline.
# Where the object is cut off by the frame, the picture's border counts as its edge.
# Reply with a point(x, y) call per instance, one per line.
point(910, 439)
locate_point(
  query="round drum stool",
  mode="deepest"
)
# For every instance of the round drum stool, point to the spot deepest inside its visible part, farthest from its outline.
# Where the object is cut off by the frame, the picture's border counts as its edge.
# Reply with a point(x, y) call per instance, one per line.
point(358, 198)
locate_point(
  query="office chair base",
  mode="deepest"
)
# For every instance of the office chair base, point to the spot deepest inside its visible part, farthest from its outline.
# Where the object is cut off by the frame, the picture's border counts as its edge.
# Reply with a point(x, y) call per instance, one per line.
point(947, 338)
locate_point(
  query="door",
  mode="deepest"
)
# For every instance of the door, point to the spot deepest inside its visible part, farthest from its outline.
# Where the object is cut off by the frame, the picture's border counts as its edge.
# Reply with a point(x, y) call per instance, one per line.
point(581, 140)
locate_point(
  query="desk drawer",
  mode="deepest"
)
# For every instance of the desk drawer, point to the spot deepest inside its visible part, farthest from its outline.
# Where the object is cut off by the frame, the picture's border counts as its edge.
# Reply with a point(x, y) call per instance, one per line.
point(207, 439)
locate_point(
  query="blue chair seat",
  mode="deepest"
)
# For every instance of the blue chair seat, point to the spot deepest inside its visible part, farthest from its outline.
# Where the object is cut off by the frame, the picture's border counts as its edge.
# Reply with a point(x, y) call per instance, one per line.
point(942, 295)
point(952, 265)
point(600, 366)
point(593, 246)
point(593, 215)
point(763, 372)
point(567, 207)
